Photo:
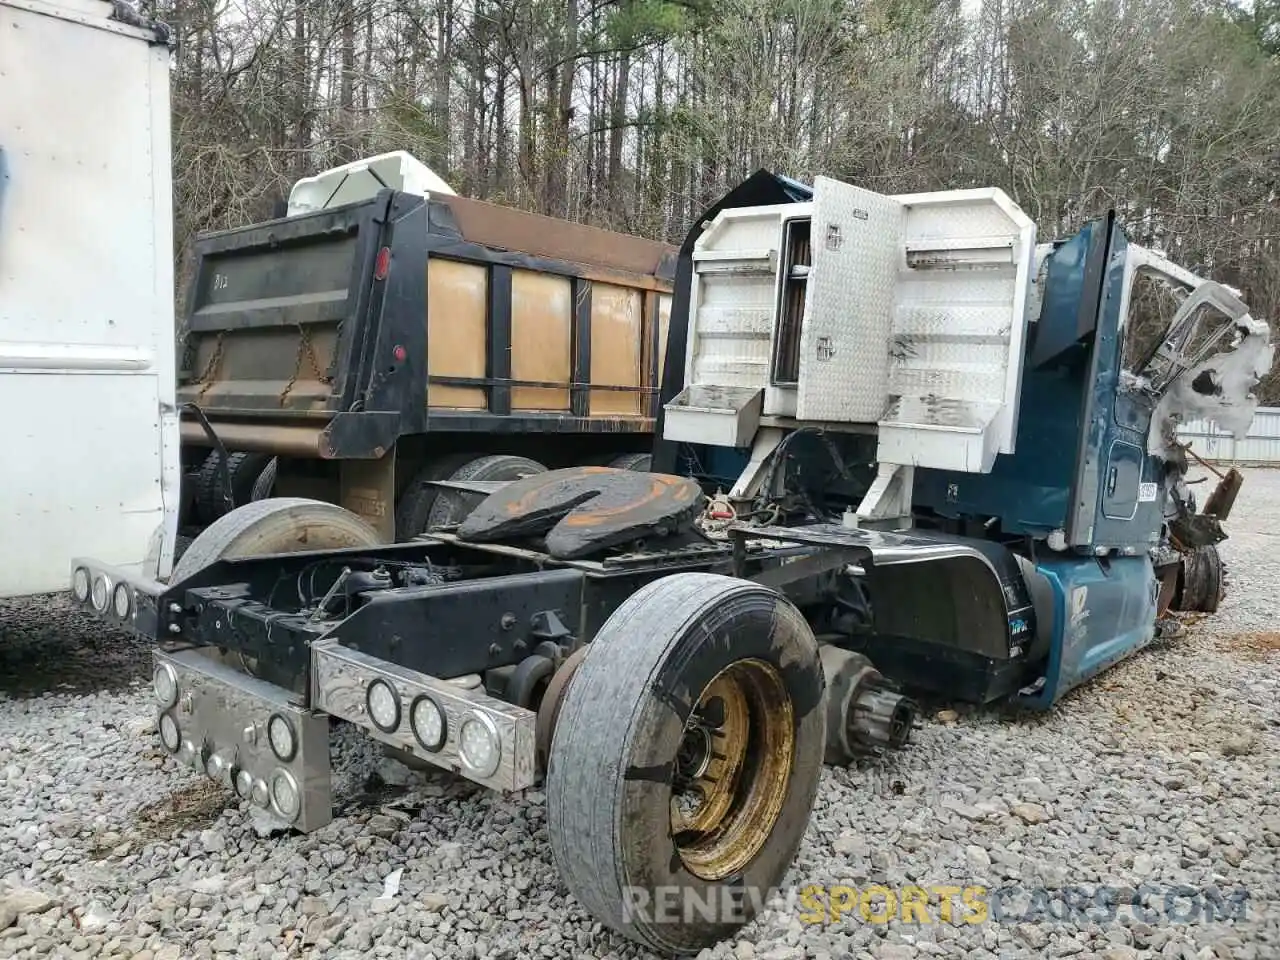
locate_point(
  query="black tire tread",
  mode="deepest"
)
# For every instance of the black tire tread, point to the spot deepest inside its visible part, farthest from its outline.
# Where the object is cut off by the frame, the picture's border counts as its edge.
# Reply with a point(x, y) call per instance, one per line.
point(413, 509)
point(243, 471)
point(449, 508)
point(595, 730)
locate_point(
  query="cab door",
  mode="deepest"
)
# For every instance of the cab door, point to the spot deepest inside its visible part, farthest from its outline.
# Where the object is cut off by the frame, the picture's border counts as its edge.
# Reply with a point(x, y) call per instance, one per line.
point(1117, 497)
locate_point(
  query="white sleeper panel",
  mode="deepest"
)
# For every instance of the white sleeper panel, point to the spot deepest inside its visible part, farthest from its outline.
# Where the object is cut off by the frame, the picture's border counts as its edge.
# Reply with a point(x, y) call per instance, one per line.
point(735, 263)
point(959, 328)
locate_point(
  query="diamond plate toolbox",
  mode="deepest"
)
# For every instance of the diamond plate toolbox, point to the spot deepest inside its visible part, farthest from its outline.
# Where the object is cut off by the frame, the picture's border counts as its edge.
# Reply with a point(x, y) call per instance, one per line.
point(848, 316)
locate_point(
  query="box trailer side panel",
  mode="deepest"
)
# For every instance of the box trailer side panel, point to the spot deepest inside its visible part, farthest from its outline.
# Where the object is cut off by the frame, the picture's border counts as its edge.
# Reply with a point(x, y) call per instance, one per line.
point(89, 433)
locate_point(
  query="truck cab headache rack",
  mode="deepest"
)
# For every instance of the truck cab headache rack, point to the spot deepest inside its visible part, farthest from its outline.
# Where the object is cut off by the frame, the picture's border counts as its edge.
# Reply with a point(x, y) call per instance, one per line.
point(905, 312)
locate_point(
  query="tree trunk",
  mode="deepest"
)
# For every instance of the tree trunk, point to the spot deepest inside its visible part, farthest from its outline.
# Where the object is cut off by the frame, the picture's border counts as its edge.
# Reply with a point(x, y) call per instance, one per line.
point(302, 106)
point(557, 141)
point(617, 119)
point(346, 87)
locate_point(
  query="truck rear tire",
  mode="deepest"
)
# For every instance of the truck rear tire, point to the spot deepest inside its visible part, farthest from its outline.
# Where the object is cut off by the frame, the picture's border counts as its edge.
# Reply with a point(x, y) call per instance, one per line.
point(266, 482)
point(639, 462)
point(243, 470)
point(413, 509)
point(452, 507)
point(685, 759)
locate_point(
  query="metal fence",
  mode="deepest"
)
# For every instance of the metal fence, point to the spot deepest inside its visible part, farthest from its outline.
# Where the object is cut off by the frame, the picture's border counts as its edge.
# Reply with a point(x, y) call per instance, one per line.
point(1261, 447)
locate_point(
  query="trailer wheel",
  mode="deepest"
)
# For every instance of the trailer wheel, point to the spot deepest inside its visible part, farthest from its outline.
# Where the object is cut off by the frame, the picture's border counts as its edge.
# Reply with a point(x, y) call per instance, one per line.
point(452, 507)
point(266, 481)
point(639, 462)
point(243, 470)
point(413, 509)
point(685, 759)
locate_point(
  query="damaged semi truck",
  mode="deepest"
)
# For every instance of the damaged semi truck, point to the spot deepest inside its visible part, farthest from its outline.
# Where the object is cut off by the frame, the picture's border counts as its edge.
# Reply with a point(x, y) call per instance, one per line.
point(953, 470)
point(387, 332)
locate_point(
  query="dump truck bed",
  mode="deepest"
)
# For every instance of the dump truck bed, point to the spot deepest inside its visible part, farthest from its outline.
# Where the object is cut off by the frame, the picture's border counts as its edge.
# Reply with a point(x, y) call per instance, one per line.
point(333, 333)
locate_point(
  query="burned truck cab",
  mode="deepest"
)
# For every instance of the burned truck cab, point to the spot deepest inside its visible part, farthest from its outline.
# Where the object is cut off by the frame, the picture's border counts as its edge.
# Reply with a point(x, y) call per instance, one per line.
point(946, 463)
point(1009, 408)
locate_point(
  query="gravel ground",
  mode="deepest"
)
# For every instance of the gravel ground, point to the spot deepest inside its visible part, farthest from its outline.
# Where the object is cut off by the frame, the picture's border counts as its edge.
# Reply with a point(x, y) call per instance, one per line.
point(1159, 777)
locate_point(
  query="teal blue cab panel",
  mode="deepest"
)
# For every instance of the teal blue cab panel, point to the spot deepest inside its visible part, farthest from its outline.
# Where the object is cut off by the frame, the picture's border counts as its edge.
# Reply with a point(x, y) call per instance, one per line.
point(1102, 611)
point(1080, 463)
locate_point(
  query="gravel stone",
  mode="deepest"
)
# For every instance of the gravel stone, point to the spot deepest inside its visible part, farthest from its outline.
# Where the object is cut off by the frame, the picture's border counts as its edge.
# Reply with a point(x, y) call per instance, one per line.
point(1161, 774)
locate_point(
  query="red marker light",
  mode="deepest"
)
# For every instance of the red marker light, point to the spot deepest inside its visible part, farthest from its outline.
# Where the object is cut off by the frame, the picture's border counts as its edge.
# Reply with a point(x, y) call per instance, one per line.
point(399, 353)
point(382, 264)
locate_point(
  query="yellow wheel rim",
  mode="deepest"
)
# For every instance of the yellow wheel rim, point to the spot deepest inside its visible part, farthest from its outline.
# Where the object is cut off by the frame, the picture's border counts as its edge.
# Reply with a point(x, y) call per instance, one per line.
point(732, 769)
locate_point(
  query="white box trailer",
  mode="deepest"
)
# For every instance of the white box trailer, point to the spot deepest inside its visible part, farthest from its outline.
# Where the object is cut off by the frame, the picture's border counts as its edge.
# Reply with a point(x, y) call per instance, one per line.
point(88, 426)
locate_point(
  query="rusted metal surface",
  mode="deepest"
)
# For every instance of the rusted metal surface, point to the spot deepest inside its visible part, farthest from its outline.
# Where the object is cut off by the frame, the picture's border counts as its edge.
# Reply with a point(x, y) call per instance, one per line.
point(457, 294)
point(1224, 494)
point(540, 236)
point(617, 343)
point(1168, 588)
point(582, 510)
point(865, 712)
point(552, 698)
point(368, 489)
point(733, 769)
point(541, 339)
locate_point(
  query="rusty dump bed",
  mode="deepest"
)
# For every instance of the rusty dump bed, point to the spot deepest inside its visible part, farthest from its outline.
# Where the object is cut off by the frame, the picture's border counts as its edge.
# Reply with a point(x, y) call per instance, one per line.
point(334, 333)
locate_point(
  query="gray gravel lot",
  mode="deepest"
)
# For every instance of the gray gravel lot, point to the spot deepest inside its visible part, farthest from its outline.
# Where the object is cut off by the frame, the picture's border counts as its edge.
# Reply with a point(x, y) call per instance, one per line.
point(1160, 777)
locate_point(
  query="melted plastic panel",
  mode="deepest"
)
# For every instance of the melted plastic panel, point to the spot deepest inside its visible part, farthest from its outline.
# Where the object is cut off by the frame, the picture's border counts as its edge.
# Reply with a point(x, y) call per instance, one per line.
point(1219, 387)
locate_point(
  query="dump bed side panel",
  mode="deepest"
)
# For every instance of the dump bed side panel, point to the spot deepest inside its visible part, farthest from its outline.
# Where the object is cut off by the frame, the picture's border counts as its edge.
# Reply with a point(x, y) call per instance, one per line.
point(572, 322)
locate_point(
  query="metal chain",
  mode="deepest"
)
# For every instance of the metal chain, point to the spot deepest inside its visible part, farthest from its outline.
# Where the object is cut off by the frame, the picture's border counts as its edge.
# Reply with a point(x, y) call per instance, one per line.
point(297, 368)
point(211, 368)
point(304, 347)
point(320, 375)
